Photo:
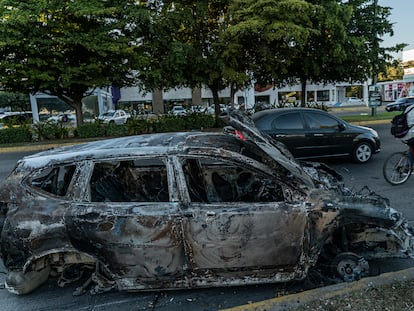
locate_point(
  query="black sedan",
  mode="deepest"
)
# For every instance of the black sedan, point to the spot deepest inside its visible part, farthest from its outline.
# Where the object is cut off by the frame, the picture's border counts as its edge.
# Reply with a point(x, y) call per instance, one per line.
point(312, 133)
point(400, 104)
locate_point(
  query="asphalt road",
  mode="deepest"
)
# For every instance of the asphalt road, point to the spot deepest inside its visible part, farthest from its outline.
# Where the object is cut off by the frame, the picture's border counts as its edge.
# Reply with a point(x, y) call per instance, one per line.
point(50, 297)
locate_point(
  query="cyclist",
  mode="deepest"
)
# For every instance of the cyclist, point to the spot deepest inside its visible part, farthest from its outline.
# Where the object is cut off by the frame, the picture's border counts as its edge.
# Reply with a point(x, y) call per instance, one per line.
point(409, 137)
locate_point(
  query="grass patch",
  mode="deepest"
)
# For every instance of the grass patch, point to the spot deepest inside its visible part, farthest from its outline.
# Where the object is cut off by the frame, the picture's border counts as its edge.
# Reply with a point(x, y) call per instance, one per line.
point(368, 117)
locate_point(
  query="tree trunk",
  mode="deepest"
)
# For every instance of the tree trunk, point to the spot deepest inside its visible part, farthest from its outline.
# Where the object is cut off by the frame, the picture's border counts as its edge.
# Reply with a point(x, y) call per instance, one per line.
point(303, 94)
point(196, 96)
point(79, 113)
point(232, 93)
point(216, 100)
point(157, 101)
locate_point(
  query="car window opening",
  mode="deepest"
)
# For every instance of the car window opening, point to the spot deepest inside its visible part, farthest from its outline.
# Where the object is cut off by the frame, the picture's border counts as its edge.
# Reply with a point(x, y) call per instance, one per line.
point(129, 181)
point(214, 181)
point(55, 180)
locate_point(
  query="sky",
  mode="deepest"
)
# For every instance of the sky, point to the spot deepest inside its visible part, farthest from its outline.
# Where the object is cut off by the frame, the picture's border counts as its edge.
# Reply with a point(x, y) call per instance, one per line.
point(402, 16)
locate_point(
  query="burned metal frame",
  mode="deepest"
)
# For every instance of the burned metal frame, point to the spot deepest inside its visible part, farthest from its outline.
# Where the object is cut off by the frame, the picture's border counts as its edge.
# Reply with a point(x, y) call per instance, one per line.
point(190, 210)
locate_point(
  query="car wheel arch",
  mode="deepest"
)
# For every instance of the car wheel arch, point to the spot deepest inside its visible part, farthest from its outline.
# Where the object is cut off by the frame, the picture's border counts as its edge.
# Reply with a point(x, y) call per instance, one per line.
point(38, 268)
point(53, 256)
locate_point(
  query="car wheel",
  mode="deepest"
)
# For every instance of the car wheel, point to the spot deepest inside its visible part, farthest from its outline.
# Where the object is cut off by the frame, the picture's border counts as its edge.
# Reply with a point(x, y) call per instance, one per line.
point(362, 152)
point(350, 267)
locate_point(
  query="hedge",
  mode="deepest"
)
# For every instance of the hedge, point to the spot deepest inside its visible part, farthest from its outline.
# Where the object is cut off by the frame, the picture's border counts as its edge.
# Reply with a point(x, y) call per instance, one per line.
point(15, 135)
point(164, 123)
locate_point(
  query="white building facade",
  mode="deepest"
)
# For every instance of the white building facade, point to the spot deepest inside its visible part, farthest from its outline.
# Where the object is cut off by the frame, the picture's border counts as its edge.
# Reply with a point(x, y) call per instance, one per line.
point(327, 94)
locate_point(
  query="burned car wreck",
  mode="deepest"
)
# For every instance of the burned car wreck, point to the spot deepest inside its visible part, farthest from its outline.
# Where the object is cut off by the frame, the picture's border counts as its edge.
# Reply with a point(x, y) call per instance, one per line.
point(186, 210)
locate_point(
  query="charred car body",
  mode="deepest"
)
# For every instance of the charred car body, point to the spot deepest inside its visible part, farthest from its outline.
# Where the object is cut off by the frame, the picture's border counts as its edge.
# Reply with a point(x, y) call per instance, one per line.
point(186, 210)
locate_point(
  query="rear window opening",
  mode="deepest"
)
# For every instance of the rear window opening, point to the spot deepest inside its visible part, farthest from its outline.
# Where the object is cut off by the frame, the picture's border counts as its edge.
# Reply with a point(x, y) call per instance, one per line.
point(143, 180)
point(54, 180)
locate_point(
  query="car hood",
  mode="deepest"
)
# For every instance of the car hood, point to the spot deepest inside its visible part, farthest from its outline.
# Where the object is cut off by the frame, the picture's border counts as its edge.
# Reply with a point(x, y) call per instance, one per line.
point(245, 125)
point(364, 129)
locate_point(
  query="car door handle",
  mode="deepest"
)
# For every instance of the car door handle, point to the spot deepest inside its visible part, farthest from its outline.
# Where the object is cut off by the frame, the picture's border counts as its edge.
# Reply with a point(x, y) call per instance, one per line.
point(318, 135)
point(211, 214)
point(280, 135)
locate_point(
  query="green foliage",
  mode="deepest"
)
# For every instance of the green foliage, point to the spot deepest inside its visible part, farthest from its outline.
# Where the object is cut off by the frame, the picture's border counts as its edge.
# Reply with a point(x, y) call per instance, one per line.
point(49, 131)
point(15, 135)
point(316, 105)
point(115, 130)
point(279, 29)
point(16, 101)
point(199, 121)
point(308, 41)
point(140, 126)
point(165, 123)
point(88, 130)
point(66, 48)
point(378, 116)
point(184, 49)
point(393, 71)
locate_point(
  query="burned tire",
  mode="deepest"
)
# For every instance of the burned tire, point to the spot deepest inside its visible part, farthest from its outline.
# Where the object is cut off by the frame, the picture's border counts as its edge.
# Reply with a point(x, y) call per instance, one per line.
point(350, 267)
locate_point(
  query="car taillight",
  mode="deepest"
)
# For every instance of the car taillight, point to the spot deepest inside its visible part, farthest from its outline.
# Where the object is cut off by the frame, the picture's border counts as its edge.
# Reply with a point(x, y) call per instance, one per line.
point(239, 135)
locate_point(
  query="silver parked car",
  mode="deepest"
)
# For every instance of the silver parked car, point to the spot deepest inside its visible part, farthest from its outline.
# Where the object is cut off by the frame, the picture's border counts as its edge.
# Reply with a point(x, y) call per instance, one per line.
point(115, 117)
point(187, 210)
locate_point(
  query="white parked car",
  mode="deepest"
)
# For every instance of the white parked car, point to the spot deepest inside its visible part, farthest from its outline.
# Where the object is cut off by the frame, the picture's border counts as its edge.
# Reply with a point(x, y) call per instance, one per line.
point(179, 111)
point(115, 117)
point(353, 101)
point(66, 118)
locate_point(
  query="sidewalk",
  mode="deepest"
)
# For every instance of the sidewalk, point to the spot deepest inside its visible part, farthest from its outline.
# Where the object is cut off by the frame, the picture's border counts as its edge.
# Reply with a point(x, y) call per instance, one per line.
point(291, 302)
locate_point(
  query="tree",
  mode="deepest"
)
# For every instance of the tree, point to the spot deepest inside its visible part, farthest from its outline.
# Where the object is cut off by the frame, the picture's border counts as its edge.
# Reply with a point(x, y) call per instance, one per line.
point(16, 101)
point(68, 48)
point(369, 23)
point(394, 71)
point(280, 31)
point(320, 41)
point(186, 48)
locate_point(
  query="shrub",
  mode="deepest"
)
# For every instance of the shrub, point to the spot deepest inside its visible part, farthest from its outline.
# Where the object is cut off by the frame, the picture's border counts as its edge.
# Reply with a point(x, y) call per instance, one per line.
point(89, 130)
point(49, 130)
point(15, 135)
point(116, 130)
point(199, 121)
point(140, 126)
point(317, 105)
point(167, 123)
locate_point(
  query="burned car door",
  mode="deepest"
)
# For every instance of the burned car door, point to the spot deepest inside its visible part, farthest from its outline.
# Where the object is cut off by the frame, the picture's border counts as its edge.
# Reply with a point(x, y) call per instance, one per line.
point(238, 221)
point(130, 222)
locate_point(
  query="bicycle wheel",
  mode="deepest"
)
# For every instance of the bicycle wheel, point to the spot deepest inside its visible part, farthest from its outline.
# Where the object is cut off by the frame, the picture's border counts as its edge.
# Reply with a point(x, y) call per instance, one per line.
point(397, 168)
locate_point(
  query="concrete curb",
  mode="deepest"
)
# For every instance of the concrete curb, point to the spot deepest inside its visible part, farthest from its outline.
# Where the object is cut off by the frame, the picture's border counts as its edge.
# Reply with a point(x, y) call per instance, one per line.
point(290, 302)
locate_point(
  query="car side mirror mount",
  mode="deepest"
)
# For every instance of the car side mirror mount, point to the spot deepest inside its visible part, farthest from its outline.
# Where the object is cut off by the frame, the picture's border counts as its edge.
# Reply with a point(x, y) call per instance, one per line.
point(341, 127)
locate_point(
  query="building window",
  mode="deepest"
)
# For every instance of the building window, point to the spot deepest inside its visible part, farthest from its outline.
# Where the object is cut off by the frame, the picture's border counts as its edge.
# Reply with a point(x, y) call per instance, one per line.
point(322, 95)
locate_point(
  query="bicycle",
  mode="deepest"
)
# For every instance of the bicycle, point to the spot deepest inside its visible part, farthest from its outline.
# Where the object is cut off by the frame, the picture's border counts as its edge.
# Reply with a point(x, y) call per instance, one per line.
point(397, 168)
